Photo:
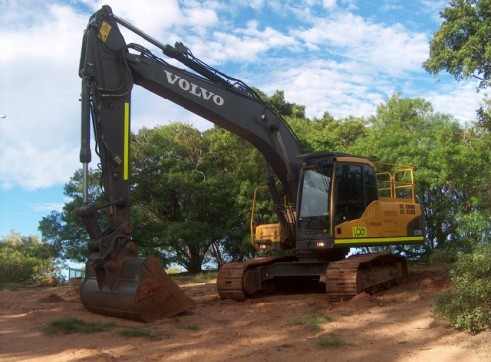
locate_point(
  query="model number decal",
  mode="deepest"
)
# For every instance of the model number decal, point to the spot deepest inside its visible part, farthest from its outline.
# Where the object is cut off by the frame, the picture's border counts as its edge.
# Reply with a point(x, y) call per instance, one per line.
point(360, 232)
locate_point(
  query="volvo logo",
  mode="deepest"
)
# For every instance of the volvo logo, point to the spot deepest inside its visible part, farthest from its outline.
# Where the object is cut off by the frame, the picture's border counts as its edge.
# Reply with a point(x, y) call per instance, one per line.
point(194, 89)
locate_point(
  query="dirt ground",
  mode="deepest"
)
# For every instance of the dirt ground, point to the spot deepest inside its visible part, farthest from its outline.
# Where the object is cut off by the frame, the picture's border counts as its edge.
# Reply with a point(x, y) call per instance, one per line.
point(394, 325)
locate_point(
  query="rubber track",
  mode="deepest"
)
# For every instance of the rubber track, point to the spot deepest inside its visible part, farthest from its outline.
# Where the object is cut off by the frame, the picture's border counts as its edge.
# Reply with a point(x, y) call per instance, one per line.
point(342, 280)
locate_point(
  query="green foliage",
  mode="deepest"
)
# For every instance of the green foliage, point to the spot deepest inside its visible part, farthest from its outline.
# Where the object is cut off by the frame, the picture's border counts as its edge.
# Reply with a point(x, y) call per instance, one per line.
point(64, 229)
point(25, 260)
point(313, 321)
point(467, 305)
point(452, 163)
point(74, 325)
point(331, 341)
point(484, 114)
point(462, 45)
point(281, 106)
point(177, 320)
point(444, 257)
point(135, 333)
point(188, 198)
point(192, 191)
point(186, 278)
point(329, 134)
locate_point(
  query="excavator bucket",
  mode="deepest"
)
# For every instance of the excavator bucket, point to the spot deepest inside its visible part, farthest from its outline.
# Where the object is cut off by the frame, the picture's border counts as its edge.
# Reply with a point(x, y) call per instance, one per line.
point(139, 289)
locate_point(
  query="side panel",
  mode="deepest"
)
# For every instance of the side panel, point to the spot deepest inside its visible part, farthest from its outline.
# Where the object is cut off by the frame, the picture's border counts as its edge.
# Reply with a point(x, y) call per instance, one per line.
point(383, 222)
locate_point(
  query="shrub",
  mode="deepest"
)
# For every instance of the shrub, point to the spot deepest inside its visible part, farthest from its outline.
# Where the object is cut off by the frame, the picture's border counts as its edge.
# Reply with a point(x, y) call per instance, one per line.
point(313, 321)
point(443, 257)
point(331, 341)
point(15, 267)
point(467, 305)
point(25, 260)
point(135, 333)
point(74, 325)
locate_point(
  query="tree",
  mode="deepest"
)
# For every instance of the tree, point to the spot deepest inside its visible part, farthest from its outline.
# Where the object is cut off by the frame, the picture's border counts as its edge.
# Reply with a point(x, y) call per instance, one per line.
point(246, 168)
point(484, 114)
point(280, 105)
point(25, 259)
point(186, 193)
point(462, 45)
point(191, 198)
point(451, 162)
point(65, 230)
point(327, 133)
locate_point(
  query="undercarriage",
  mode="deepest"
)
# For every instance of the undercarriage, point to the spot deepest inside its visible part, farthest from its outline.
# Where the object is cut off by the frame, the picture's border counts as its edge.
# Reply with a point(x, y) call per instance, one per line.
point(343, 277)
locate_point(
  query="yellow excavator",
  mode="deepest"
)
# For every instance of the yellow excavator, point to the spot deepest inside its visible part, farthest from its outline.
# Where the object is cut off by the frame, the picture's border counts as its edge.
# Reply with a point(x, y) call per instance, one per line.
point(326, 202)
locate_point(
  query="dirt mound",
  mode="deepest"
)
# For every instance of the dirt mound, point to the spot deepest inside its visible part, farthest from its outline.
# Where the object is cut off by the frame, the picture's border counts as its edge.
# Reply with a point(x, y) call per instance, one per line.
point(429, 279)
point(363, 300)
point(52, 298)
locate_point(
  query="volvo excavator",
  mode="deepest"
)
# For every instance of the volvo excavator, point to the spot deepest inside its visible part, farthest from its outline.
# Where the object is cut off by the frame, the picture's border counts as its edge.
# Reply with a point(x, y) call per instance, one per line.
point(326, 202)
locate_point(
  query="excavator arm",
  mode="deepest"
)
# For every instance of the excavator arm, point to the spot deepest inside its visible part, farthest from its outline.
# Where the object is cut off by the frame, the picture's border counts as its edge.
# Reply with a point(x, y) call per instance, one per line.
point(109, 69)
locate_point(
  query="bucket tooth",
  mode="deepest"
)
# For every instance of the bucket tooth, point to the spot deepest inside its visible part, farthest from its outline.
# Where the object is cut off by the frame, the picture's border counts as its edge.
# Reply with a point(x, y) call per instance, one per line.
point(141, 291)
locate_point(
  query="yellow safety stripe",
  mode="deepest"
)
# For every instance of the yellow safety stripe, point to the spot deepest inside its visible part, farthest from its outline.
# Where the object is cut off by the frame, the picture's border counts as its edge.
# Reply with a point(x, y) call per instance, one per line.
point(380, 240)
point(126, 146)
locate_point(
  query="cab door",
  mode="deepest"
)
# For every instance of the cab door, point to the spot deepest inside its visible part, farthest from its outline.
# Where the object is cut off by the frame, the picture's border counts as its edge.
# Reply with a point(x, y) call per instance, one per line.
point(355, 188)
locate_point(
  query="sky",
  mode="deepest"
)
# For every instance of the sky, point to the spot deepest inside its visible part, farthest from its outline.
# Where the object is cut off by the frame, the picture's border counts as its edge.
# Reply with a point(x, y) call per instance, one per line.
point(344, 57)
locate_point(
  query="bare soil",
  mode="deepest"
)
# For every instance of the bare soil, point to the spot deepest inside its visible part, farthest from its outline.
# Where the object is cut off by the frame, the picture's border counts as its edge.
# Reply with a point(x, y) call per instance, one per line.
point(394, 325)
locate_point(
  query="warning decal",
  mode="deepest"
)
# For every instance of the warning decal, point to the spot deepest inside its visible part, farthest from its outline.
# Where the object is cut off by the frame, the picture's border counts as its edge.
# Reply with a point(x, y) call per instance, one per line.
point(104, 31)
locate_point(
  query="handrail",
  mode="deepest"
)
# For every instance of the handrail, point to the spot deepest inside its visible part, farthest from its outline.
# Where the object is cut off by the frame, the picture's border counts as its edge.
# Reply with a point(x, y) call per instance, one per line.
point(253, 209)
point(404, 185)
point(398, 184)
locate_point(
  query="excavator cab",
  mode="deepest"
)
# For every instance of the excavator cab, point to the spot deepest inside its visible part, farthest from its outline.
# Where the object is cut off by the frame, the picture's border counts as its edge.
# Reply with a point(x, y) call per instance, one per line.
point(343, 201)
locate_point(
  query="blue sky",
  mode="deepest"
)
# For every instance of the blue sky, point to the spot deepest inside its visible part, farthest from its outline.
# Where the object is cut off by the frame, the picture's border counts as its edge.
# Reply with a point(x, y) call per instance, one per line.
point(340, 56)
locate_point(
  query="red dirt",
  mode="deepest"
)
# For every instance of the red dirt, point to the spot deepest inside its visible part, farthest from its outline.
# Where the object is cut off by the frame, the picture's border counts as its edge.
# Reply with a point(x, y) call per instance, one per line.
point(394, 325)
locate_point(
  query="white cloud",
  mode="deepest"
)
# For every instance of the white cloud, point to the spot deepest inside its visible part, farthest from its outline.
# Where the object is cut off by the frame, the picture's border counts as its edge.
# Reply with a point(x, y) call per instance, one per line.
point(332, 61)
point(46, 207)
point(345, 89)
point(387, 49)
point(460, 100)
point(434, 7)
point(201, 17)
point(149, 110)
point(151, 15)
point(39, 93)
point(247, 45)
point(389, 5)
point(157, 17)
point(326, 86)
point(329, 4)
point(32, 167)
